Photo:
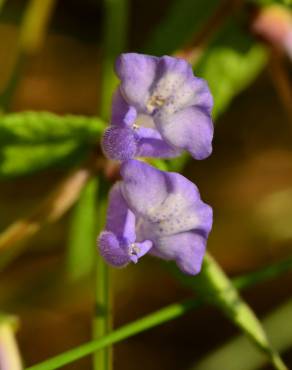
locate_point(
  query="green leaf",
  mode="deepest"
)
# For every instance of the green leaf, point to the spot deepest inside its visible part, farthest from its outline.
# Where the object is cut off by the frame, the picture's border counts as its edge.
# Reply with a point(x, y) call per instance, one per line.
point(240, 351)
point(33, 141)
point(44, 127)
point(183, 19)
point(161, 316)
point(231, 64)
point(22, 160)
point(217, 289)
point(82, 245)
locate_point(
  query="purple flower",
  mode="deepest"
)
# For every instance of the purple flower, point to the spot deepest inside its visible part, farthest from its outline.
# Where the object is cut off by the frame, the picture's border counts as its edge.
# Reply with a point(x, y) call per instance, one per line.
point(161, 107)
point(156, 212)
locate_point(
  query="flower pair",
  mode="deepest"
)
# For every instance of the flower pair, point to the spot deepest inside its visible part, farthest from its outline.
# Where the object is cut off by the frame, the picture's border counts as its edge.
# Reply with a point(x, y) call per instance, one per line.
point(159, 109)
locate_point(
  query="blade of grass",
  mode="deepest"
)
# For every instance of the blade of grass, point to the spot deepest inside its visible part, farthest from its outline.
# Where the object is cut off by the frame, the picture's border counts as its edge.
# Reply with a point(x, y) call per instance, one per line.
point(159, 317)
point(239, 350)
point(102, 320)
point(168, 313)
point(214, 286)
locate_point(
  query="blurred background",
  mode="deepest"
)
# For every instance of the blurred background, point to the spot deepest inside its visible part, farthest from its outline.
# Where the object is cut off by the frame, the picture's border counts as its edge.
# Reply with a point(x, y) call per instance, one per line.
point(243, 51)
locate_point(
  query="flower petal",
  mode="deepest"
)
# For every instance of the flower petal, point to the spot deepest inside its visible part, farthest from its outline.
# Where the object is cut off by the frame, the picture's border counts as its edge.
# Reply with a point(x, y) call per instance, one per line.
point(181, 210)
point(190, 129)
point(151, 144)
point(138, 250)
point(187, 249)
point(203, 98)
point(178, 88)
point(122, 113)
point(143, 187)
point(120, 219)
point(137, 73)
point(167, 202)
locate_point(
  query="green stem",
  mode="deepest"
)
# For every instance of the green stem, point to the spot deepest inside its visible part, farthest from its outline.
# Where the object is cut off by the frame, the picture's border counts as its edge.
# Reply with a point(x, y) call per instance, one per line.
point(264, 274)
point(103, 315)
point(235, 351)
point(168, 313)
point(103, 301)
point(115, 29)
point(213, 284)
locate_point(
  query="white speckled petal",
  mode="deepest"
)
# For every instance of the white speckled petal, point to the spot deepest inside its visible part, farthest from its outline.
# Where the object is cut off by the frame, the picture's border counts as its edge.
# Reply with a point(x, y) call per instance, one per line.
point(167, 202)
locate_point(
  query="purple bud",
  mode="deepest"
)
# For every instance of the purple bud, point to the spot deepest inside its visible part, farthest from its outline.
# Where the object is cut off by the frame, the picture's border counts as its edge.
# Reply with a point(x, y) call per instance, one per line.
point(119, 143)
point(112, 251)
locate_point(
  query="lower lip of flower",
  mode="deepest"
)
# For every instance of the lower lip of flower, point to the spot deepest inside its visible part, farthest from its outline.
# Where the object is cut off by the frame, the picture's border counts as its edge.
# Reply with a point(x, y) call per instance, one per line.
point(134, 250)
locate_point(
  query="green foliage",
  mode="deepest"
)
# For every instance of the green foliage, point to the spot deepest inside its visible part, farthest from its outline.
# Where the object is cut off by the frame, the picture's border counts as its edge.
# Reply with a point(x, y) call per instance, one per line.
point(216, 288)
point(240, 351)
point(102, 320)
point(230, 64)
point(159, 317)
point(183, 19)
point(45, 127)
point(33, 141)
point(18, 160)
